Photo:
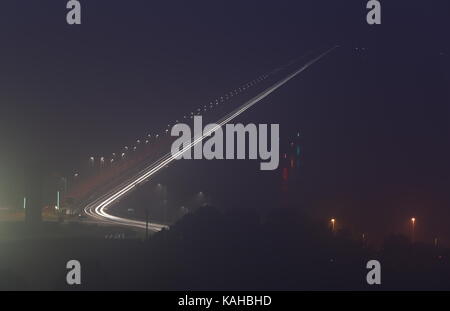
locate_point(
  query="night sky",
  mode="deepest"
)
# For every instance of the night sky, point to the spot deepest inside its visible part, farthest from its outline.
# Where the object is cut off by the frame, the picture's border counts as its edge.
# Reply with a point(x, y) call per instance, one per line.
point(69, 92)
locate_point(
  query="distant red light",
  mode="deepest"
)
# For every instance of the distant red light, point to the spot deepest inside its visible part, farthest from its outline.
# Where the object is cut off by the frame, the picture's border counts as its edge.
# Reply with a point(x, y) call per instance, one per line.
point(285, 174)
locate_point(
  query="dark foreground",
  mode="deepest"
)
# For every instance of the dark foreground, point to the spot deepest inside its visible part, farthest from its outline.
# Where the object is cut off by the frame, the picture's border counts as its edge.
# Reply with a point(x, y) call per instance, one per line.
point(213, 250)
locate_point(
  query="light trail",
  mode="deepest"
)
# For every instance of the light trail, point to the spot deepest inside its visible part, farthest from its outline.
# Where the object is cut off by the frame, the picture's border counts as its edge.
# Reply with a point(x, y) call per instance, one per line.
point(98, 208)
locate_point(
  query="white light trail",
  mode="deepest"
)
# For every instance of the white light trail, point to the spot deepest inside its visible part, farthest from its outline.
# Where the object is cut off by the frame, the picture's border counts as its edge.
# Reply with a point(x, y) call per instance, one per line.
point(97, 209)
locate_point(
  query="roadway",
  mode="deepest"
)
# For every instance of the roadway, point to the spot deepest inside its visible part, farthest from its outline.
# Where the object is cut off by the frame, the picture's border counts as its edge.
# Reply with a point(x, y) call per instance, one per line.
point(98, 208)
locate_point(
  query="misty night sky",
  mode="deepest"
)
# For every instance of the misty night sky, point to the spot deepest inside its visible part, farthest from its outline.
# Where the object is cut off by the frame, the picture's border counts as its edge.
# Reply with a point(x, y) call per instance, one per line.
point(68, 92)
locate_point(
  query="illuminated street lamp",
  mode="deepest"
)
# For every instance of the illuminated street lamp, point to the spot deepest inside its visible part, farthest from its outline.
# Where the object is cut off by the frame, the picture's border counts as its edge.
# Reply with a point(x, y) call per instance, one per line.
point(57, 201)
point(333, 224)
point(413, 228)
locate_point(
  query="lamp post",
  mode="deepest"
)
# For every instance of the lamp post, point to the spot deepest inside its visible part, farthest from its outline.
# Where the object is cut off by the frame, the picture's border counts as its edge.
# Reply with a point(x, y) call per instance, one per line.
point(333, 223)
point(413, 228)
point(57, 200)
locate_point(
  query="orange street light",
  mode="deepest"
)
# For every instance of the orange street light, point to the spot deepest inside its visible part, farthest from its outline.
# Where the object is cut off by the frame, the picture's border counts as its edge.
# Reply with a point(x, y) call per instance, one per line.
point(333, 222)
point(413, 227)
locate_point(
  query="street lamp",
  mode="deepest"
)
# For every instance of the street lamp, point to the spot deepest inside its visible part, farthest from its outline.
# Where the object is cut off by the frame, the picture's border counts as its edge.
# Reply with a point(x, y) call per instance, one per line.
point(413, 227)
point(333, 223)
point(57, 201)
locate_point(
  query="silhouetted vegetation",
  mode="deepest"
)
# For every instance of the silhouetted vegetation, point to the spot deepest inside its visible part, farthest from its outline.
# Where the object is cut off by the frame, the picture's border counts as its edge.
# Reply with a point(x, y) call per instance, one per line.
point(238, 249)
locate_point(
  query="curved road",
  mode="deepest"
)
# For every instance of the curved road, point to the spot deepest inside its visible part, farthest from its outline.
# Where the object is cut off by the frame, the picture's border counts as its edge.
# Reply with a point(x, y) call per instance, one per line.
point(98, 209)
